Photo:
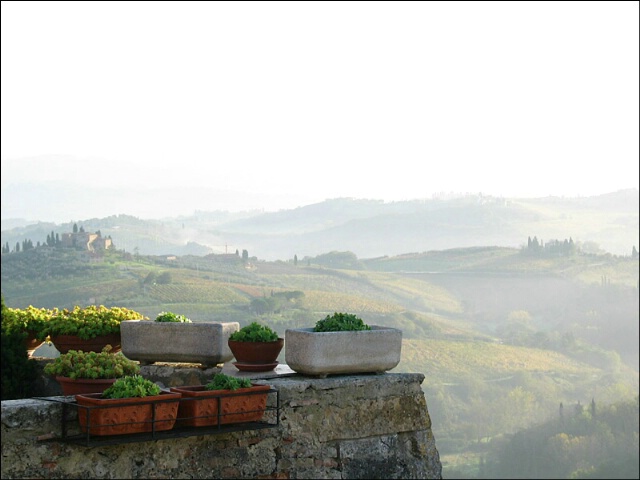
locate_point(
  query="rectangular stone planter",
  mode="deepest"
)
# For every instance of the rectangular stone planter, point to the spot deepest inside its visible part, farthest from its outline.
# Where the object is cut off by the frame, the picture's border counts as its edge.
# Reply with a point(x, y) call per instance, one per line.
point(148, 341)
point(324, 353)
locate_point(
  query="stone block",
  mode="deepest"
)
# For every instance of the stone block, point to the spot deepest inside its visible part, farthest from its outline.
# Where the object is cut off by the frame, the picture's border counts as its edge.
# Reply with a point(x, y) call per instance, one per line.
point(323, 353)
point(148, 341)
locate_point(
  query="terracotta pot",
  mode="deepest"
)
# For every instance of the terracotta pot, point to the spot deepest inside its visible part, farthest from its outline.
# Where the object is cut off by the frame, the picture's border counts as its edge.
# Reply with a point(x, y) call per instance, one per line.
point(84, 385)
point(259, 353)
point(64, 343)
point(31, 342)
point(200, 407)
point(119, 416)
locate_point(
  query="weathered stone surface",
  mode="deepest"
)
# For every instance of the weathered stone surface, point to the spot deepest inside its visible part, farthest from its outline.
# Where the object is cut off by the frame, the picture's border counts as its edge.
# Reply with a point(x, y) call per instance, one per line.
point(355, 426)
point(178, 375)
point(198, 342)
point(326, 353)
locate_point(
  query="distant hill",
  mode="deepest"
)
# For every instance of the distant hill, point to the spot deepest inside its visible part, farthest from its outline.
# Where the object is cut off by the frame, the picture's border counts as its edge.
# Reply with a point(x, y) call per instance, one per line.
point(503, 336)
point(369, 228)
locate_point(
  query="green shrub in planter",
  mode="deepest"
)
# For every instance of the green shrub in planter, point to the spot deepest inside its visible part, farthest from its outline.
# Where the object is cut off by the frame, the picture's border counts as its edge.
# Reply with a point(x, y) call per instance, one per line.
point(255, 347)
point(227, 382)
point(30, 320)
point(171, 317)
point(340, 322)
point(88, 322)
point(254, 332)
point(211, 404)
point(92, 365)
point(131, 386)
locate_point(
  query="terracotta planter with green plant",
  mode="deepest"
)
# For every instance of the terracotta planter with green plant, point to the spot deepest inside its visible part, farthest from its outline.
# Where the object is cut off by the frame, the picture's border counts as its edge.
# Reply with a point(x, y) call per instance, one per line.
point(80, 372)
point(256, 347)
point(87, 329)
point(132, 404)
point(224, 400)
point(30, 322)
point(342, 343)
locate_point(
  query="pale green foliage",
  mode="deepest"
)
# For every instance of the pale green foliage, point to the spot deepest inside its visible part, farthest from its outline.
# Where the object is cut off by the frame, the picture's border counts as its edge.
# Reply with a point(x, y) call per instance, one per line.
point(172, 317)
point(91, 365)
point(131, 386)
point(226, 382)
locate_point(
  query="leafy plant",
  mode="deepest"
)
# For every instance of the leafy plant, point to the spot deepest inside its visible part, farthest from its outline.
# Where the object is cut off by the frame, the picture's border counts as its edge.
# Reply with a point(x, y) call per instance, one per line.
point(78, 364)
point(88, 322)
point(30, 320)
point(171, 317)
point(131, 386)
point(339, 322)
point(226, 382)
point(19, 372)
point(255, 332)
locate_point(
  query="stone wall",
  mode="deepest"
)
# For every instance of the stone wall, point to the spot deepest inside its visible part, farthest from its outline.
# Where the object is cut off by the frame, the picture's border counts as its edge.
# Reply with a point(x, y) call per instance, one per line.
point(348, 426)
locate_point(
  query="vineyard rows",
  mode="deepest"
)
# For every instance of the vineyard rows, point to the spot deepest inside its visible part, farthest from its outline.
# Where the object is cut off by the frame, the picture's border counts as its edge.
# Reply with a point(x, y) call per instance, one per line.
point(203, 292)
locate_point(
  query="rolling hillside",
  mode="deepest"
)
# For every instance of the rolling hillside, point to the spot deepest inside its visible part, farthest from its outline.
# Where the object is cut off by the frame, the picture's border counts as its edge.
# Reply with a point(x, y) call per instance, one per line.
point(369, 228)
point(501, 337)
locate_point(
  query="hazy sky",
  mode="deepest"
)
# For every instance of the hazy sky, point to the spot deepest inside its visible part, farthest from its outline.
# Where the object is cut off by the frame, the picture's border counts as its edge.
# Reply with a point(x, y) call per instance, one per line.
point(305, 101)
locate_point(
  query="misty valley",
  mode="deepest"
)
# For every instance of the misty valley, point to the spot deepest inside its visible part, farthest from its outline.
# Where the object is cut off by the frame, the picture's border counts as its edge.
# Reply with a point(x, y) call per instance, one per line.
point(521, 314)
point(519, 348)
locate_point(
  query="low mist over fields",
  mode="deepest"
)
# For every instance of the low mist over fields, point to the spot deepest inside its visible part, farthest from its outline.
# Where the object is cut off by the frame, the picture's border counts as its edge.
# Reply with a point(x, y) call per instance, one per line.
point(509, 308)
point(369, 228)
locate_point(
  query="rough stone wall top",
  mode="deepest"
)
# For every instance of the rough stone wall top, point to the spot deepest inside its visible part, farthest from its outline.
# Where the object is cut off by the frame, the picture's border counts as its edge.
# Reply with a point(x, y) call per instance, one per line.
point(352, 426)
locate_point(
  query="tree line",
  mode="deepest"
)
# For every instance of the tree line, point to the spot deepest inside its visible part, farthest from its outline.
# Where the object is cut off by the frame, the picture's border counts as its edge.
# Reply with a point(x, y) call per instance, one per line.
point(53, 240)
point(559, 248)
point(581, 442)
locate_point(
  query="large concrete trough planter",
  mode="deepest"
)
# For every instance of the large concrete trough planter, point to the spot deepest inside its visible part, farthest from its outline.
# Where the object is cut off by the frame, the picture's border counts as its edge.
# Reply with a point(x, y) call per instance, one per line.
point(197, 342)
point(347, 352)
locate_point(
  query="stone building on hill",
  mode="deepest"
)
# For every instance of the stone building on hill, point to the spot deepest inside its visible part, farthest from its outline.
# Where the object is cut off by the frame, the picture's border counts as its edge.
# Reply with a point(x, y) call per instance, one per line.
point(87, 241)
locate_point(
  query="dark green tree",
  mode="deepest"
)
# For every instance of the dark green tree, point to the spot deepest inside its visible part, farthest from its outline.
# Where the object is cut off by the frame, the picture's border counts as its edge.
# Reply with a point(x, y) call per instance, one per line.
point(263, 305)
point(19, 372)
point(164, 278)
point(75, 228)
point(535, 244)
point(150, 278)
